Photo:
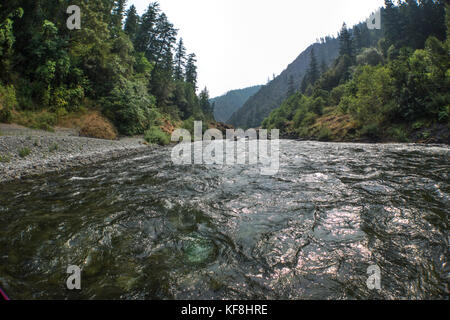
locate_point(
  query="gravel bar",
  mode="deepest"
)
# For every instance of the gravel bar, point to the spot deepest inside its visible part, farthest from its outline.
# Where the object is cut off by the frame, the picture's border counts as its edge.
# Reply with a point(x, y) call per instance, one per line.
point(55, 152)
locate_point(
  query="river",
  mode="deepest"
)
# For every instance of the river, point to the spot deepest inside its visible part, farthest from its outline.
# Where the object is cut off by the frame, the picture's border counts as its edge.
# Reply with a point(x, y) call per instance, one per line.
point(144, 228)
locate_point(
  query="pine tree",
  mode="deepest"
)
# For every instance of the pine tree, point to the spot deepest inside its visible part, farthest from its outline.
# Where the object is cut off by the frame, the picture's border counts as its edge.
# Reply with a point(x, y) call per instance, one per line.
point(132, 23)
point(165, 41)
point(447, 19)
point(180, 60)
point(357, 39)
point(205, 105)
point(118, 12)
point(391, 21)
point(312, 74)
point(146, 36)
point(346, 46)
point(413, 25)
point(313, 68)
point(191, 70)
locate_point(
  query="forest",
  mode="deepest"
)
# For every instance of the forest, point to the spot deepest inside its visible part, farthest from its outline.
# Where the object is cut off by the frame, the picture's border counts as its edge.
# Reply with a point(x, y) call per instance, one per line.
point(388, 87)
point(120, 73)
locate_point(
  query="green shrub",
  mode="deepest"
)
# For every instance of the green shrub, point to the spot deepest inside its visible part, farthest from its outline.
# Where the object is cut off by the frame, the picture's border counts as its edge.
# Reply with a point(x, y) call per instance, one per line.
point(337, 93)
point(370, 131)
point(5, 158)
point(417, 125)
point(130, 107)
point(61, 112)
point(54, 147)
point(444, 114)
point(24, 152)
point(309, 119)
point(369, 56)
point(399, 134)
point(67, 99)
point(7, 103)
point(325, 134)
point(426, 134)
point(156, 136)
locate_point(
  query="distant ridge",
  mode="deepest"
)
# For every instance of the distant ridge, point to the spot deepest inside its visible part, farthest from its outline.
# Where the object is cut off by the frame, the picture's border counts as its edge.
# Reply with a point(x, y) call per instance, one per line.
point(270, 96)
point(226, 105)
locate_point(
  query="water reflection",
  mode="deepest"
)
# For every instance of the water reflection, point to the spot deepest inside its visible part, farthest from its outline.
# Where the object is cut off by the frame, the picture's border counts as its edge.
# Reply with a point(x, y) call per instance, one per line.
point(144, 228)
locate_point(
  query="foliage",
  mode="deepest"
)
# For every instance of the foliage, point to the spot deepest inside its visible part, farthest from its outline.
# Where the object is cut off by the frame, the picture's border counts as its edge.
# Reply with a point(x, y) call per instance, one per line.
point(394, 86)
point(156, 136)
point(7, 103)
point(126, 67)
point(24, 152)
point(129, 107)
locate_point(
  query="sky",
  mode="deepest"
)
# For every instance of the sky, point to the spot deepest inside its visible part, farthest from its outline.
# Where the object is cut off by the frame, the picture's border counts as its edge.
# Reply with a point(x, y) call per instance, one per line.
point(242, 43)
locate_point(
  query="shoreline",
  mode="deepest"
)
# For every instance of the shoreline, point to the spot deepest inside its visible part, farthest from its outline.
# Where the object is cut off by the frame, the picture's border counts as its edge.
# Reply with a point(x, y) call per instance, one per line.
point(64, 149)
point(26, 152)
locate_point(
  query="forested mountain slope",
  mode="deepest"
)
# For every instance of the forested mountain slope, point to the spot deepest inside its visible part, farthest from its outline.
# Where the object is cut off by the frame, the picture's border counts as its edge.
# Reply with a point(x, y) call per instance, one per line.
point(272, 95)
point(131, 68)
point(226, 105)
point(397, 89)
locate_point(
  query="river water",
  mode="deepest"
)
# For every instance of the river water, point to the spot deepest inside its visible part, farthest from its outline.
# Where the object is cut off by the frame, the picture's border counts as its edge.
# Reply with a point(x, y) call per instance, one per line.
point(144, 228)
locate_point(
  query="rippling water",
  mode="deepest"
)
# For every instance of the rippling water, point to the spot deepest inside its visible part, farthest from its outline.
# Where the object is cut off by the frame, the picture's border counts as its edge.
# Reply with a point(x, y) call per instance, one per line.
point(143, 228)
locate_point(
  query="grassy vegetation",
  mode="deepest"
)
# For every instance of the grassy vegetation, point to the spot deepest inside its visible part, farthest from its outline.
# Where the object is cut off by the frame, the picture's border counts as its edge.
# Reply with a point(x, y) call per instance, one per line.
point(157, 136)
point(53, 148)
point(42, 120)
point(5, 158)
point(24, 152)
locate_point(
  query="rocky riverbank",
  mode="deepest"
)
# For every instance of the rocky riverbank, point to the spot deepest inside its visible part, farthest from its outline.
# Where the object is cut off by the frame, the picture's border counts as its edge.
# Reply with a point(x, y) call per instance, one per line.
point(25, 152)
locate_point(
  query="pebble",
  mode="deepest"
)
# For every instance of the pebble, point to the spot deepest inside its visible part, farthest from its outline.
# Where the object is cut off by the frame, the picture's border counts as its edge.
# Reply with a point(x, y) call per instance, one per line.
point(72, 151)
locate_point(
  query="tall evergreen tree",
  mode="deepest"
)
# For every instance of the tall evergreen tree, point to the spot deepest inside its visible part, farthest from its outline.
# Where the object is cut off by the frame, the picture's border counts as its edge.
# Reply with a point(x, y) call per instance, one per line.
point(180, 60)
point(205, 105)
point(118, 13)
point(132, 23)
point(146, 36)
point(314, 73)
point(191, 70)
point(165, 41)
point(346, 46)
point(291, 86)
point(391, 23)
point(357, 39)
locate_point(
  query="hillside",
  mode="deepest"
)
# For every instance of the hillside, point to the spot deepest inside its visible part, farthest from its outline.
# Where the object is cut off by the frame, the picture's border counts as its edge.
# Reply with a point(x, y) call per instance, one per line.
point(394, 89)
point(229, 103)
point(134, 70)
point(272, 95)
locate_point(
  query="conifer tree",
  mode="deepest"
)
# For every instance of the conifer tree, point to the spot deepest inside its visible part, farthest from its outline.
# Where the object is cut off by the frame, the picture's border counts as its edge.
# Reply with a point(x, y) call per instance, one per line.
point(313, 68)
point(146, 36)
point(118, 13)
point(346, 46)
point(180, 60)
point(191, 70)
point(132, 23)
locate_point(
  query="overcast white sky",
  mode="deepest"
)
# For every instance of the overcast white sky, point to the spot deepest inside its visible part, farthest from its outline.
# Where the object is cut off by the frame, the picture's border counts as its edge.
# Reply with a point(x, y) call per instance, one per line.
point(240, 43)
